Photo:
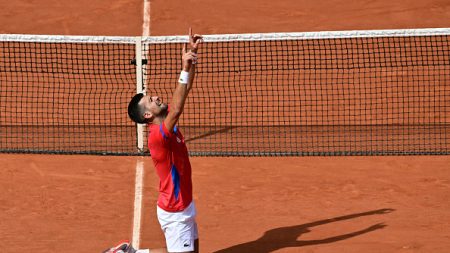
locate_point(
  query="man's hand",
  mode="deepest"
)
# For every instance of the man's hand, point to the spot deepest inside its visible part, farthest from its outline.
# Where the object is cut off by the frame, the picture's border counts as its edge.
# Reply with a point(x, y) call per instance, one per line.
point(194, 40)
point(188, 58)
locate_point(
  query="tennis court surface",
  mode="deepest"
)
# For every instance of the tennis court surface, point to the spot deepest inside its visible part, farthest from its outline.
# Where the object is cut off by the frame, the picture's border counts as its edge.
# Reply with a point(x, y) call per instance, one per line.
point(265, 99)
point(245, 204)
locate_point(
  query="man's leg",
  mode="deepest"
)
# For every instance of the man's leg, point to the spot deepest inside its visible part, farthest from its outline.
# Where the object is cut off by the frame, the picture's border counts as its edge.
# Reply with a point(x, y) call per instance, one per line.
point(180, 230)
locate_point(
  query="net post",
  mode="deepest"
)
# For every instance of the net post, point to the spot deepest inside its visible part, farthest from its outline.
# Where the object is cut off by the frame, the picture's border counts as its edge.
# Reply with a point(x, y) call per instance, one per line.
point(139, 89)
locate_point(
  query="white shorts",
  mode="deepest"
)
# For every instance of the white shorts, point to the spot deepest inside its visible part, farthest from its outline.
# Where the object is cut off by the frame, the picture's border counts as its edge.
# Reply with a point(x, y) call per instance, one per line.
point(180, 228)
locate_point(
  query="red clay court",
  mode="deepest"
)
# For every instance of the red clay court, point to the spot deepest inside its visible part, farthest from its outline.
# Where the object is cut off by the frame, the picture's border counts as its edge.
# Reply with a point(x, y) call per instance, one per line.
point(68, 203)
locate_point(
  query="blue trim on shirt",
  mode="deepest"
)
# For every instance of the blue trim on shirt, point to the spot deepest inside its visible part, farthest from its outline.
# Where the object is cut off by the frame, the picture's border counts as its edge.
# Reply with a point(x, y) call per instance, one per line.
point(162, 131)
point(175, 181)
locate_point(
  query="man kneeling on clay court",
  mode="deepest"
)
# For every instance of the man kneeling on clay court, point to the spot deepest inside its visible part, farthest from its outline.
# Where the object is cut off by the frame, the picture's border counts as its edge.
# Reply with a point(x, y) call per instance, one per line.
point(175, 208)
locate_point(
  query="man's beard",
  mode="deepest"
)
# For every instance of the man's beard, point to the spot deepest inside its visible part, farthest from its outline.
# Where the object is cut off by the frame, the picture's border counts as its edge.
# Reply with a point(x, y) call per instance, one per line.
point(164, 110)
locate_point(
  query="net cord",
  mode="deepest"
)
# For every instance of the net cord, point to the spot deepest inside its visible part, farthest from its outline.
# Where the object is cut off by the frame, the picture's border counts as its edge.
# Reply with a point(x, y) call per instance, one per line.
point(228, 37)
point(303, 35)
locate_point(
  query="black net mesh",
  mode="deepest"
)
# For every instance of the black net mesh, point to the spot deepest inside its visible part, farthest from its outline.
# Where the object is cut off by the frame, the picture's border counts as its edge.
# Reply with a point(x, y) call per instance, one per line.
point(66, 97)
point(366, 96)
point(341, 96)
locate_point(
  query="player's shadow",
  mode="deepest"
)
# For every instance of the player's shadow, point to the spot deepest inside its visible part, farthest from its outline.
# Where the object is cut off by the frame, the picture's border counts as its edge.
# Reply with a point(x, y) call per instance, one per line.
point(284, 237)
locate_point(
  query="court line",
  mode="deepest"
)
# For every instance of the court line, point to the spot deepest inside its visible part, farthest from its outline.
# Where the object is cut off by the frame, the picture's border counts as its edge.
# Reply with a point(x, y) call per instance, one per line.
point(137, 216)
point(138, 203)
point(146, 19)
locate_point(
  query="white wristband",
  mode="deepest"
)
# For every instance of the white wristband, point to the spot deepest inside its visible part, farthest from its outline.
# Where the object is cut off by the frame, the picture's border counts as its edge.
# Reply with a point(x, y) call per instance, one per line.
point(184, 77)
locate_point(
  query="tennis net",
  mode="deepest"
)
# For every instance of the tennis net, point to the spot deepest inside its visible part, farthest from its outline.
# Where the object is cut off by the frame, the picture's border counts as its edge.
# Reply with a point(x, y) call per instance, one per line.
point(382, 92)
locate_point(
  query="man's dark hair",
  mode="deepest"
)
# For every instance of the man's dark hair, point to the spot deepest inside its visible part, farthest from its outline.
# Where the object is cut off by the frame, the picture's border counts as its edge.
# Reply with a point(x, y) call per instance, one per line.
point(135, 111)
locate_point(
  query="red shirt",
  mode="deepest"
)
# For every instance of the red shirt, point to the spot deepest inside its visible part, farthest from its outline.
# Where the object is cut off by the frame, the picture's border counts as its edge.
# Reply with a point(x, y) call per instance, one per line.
point(171, 160)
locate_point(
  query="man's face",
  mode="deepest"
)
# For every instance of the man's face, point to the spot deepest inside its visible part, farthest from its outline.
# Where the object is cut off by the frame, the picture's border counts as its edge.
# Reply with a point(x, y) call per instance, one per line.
point(153, 106)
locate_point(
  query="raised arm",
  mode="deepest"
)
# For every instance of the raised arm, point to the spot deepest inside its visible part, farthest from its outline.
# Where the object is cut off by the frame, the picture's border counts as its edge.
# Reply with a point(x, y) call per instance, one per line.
point(185, 81)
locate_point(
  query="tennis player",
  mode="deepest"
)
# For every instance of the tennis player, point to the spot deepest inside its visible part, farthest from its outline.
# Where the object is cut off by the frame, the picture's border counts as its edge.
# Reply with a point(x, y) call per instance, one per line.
point(175, 207)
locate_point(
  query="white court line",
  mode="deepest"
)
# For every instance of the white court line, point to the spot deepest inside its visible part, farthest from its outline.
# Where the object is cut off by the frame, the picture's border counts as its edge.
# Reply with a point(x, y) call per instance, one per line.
point(138, 203)
point(137, 216)
point(146, 23)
